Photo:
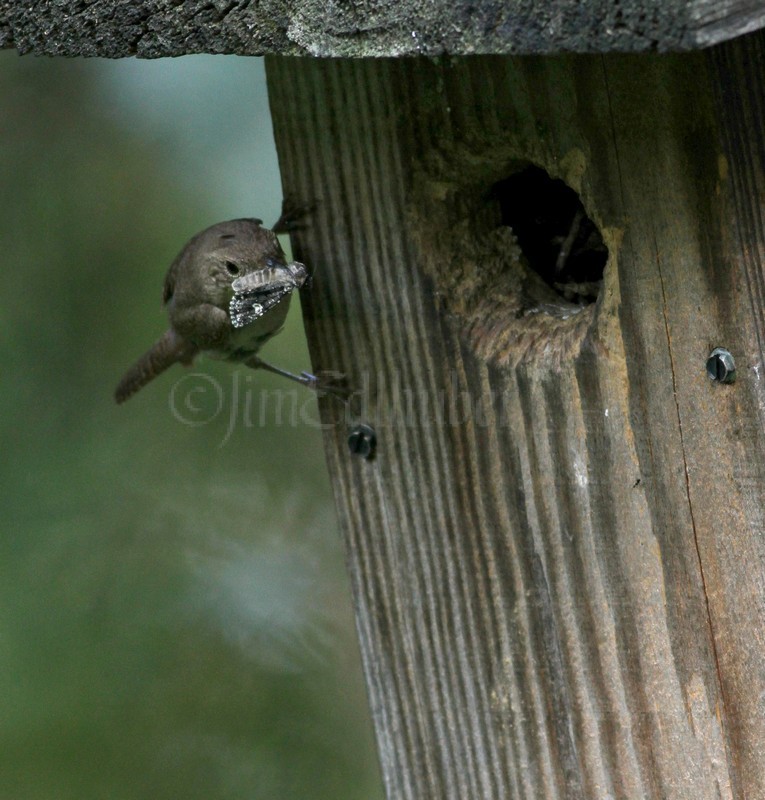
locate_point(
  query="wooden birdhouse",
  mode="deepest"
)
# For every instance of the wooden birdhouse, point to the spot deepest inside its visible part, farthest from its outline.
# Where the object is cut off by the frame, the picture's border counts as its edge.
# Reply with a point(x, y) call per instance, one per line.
point(538, 246)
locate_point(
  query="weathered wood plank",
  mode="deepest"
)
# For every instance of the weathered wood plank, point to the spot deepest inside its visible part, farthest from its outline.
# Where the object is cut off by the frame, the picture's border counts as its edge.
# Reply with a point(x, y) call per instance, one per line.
point(557, 555)
point(155, 28)
point(715, 21)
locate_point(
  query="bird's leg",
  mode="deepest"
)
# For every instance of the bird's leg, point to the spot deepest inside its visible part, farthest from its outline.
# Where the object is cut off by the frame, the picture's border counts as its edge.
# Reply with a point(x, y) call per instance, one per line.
point(305, 378)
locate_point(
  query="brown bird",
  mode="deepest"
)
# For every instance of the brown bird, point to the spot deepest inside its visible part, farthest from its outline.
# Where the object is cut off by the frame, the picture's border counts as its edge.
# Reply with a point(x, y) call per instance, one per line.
point(227, 293)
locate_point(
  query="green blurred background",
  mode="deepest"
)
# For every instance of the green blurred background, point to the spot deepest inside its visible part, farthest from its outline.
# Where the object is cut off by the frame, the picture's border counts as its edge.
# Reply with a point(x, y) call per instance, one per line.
point(175, 621)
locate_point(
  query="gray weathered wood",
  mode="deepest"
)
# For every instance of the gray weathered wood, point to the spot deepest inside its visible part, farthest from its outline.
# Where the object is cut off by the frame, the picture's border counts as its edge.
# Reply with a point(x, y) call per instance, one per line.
point(714, 21)
point(116, 28)
point(560, 589)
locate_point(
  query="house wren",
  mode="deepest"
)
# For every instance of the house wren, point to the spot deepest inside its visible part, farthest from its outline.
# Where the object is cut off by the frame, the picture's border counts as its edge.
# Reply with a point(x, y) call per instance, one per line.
point(227, 293)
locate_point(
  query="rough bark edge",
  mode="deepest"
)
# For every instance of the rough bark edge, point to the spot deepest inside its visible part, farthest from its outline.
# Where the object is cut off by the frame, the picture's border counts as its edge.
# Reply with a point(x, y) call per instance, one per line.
point(369, 28)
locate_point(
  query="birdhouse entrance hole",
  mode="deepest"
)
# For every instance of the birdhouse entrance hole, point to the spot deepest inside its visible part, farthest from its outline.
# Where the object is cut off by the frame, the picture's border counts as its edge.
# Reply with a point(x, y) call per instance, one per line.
point(514, 258)
point(557, 238)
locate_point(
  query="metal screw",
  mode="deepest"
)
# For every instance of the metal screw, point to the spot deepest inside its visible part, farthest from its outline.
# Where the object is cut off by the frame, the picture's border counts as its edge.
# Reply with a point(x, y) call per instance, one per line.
point(721, 366)
point(362, 441)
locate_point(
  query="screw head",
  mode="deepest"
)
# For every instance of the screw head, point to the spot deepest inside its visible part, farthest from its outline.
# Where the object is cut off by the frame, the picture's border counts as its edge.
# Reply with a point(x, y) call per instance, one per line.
point(362, 441)
point(721, 366)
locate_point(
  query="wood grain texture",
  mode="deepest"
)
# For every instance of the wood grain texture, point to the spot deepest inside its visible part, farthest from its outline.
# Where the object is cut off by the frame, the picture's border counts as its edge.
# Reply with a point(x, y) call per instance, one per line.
point(715, 21)
point(156, 28)
point(557, 555)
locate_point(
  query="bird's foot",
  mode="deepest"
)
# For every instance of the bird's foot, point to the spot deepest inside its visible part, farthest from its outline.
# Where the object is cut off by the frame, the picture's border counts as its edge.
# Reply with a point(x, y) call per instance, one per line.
point(294, 216)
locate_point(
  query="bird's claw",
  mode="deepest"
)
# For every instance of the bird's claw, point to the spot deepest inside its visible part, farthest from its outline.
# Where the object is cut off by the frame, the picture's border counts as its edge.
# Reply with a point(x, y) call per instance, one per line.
point(327, 382)
point(294, 216)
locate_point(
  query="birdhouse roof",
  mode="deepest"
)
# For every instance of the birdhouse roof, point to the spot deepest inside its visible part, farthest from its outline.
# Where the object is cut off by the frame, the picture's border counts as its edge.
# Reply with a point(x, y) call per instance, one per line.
point(152, 29)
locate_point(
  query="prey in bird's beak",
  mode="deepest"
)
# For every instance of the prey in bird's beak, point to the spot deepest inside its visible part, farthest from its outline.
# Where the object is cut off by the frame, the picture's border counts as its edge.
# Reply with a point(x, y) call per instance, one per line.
point(257, 292)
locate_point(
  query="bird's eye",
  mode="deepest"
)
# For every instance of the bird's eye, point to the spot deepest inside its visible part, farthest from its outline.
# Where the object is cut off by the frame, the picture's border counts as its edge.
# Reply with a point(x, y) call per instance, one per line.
point(232, 268)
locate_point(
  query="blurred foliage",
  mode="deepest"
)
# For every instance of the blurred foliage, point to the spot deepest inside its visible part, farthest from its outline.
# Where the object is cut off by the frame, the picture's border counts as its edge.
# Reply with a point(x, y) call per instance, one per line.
point(174, 616)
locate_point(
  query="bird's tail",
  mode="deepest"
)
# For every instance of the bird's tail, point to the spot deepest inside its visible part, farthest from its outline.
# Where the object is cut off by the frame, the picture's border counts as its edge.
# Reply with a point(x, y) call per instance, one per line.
point(165, 352)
